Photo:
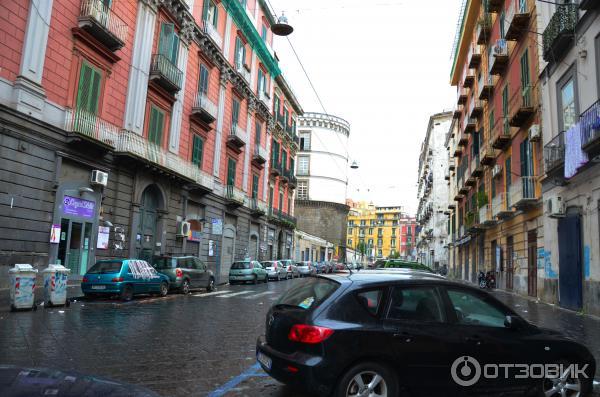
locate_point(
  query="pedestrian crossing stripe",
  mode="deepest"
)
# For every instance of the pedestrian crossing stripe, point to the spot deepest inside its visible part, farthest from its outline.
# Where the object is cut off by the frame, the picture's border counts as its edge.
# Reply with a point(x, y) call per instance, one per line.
point(212, 293)
point(234, 294)
point(259, 295)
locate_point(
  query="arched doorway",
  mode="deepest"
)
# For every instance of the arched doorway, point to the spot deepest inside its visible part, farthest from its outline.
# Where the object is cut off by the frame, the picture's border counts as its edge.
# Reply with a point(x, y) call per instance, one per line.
point(146, 234)
point(280, 245)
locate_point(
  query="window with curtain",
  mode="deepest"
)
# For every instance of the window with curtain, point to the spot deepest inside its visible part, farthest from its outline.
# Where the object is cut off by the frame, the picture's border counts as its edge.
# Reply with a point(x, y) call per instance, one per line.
point(567, 103)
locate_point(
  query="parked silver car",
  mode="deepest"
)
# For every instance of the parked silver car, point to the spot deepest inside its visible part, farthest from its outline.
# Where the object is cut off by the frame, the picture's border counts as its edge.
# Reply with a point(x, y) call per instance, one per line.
point(292, 269)
point(306, 268)
point(275, 269)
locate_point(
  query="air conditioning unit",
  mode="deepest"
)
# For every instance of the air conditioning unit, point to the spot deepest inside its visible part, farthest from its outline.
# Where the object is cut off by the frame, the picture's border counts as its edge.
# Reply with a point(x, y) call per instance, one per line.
point(535, 133)
point(183, 229)
point(99, 178)
point(555, 207)
point(496, 171)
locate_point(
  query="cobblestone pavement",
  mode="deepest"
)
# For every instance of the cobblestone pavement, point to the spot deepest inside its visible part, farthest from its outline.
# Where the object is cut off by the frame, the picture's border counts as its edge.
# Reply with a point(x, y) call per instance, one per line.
point(195, 345)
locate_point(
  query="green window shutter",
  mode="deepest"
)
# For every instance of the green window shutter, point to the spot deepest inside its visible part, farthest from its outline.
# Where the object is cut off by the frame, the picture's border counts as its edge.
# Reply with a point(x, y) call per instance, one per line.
point(261, 83)
point(508, 172)
point(264, 33)
point(505, 101)
point(165, 43)
point(525, 69)
point(89, 88)
point(492, 121)
point(255, 186)
point(174, 49)
point(231, 165)
point(204, 79)
point(156, 126)
point(235, 112)
point(284, 159)
point(502, 21)
point(197, 150)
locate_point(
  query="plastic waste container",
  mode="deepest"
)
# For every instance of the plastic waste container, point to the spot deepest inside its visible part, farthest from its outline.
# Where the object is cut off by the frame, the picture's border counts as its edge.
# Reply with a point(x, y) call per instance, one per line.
point(22, 287)
point(55, 285)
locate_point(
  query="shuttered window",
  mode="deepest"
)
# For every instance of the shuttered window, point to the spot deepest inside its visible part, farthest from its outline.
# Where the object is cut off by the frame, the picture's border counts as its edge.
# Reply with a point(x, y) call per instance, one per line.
point(284, 159)
point(210, 12)
point(258, 134)
point(168, 44)
point(231, 166)
point(197, 150)
point(240, 53)
point(204, 79)
point(88, 93)
point(505, 101)
point(156, 125)
point(254, 186)
point(508, 173)
point(235, 112)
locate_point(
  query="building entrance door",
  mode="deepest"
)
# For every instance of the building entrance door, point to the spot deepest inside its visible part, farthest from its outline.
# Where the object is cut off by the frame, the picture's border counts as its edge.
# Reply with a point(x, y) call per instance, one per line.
point(74, 245)
point(570, 276)
point(146, 234)
point(510, 250)
point(532, 263)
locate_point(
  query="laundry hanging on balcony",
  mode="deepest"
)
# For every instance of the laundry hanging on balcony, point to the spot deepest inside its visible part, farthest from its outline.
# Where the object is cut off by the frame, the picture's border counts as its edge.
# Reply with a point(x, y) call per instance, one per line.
point(575, 157)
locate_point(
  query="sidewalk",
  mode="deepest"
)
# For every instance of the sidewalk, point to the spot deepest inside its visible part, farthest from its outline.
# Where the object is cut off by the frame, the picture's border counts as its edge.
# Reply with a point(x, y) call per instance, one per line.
point(73, 291)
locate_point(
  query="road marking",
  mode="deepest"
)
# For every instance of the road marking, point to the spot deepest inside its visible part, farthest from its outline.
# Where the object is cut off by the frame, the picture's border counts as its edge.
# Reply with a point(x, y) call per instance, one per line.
point(261, 294)
point(234, 294)
point(223, 389)
point(212, 293)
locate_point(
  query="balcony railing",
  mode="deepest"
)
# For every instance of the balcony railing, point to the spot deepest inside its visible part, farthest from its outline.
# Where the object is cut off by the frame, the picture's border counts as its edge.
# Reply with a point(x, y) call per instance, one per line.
point(554, 154)
point(237, 136)
point(258, 207)
point(264, 98)
point(484, 28)
point(499, 59)
point(558, 35)
point(211, 31)
point(475, 108)
point(451, 164)
point(91, 126)
point(463, 94)
point(165, 73)
point(590, 129)
point(522, 105)
point(102, 23)
point(137, 146)
point(501, 207)
point(281, 120)
point(487, 154)
point(204, 108)
point(260, 154)
point(470, 125)
point(235, 196)
point(469, 78)
point(495, 5)
point(486, 86)
point(523, 191)
point(502, 134)
point(275, 167)
point(244, 72)
point(486, 215)
point(474, 56)
point(517, 19)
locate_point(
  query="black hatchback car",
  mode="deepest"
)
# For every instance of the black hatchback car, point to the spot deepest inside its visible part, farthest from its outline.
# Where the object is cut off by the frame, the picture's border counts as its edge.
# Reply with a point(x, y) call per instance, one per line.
point(413, 333)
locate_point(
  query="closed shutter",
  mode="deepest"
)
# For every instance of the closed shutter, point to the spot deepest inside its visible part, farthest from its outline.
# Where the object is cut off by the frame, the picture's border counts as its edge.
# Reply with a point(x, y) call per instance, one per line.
point(156, 126)
point(231, 165)
point(88, 89)
point(508, 172)
point(197, 150)
point(255, 186)
point(204, 79)
point(258, 133)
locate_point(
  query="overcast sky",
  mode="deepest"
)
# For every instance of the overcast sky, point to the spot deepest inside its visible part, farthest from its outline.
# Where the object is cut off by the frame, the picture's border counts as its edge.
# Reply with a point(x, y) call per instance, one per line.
point(384, 66)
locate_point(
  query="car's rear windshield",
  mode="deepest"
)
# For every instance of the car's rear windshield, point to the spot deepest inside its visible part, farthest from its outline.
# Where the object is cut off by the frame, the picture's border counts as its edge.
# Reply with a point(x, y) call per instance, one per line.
point(106, 267)
point(240, 265)
point(163, 262)
point(309, 294)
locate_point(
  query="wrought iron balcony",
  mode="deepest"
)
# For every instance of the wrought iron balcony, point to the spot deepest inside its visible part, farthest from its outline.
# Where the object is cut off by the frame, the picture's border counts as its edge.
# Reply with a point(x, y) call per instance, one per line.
point(204, 109)
point(275, 167)
point(523, 192)
point(501, 207)
point(288, 218)
point(590, 130)
point(234, 196)
point(90, 127)
point(558, 35)
point(522, 105)
point(237, 137)
point(469, 78)
point(517, 19)
point(260, 155)
point(292, 180)
point(474, 56)
point(101, 22)
point(476, 167)
point(488, 155)
point(165, 73)
point(257, 207)
point(475, 108)
point(244, 71)
point(280, 120)
point(284, 174)
point(486, 86)
point(463, 140)
point(470, 125)
point(499, 59)
point(502, 134)
point(211, 31)
point(486, 217)
point(484, 28)
point(554, 155)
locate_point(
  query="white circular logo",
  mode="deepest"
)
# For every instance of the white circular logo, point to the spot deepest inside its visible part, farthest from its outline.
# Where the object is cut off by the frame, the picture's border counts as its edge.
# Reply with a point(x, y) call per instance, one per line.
point(465, 371)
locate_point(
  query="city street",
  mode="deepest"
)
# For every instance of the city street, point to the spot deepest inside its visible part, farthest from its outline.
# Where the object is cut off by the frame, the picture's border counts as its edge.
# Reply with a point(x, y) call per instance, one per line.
point(195, 345)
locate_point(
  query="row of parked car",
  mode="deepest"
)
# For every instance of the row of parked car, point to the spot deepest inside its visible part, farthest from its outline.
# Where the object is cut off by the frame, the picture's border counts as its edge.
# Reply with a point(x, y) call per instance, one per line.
point(282, 269)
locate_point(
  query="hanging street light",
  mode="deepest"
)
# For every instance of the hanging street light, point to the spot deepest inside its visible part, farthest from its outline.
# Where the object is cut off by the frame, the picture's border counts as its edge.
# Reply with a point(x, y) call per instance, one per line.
point(282, 27)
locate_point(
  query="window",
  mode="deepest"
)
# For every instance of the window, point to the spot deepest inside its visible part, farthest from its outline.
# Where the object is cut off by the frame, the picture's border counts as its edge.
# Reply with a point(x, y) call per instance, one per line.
point(305, 141)
point(379, 242)
point(302, 190)
point(263, 32)
point(380, 232)
point(262, 81)
point(525, 80)
point(231, 168)
point(372, 222)
point(239, 58)
point(309, 294)
point(363, 222)
point(197, 150)
point(505, 101)
point(258, 133)
point(280, 201)
point(203, 81)
point(168, 44)
point(210, 12)
point(567, 100)
point(284, 159)
point(235, 112)
point(156, 125)
point(508, 173)
point(379, 253)
point(350, 230)
point(286, 116)
point(370, 231)
point(275, 151)
point(474, 309)
point(370, 300)
point(254, 186)
point(370, 242)
point(303, 165)
point(393, 231)
point(350, 242)
point(526, 160)
point(276, 105)
point(422, 304)
point(502, 22)
point(393, 242)
point(271, 193)
point(88, 90)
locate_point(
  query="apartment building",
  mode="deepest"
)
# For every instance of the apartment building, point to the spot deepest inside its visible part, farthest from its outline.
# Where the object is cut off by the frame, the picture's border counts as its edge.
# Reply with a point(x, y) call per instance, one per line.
point(134, 127)
point(432, 193)
point(569, 264)
point(497, 219)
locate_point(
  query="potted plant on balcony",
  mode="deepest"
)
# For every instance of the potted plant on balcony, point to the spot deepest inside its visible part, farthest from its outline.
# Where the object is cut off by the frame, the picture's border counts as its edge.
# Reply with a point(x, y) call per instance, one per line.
point(482, 199)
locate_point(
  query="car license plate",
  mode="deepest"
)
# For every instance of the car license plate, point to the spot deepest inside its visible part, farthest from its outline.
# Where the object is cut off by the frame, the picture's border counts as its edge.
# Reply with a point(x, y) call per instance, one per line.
point(264, 360)
point(98, 286)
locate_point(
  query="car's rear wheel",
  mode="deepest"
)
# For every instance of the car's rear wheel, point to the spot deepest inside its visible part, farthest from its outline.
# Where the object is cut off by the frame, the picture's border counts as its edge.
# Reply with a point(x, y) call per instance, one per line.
point(185, 287)
point(164, 289)
point(565, 384)
point(127, 293)
point(368, 379)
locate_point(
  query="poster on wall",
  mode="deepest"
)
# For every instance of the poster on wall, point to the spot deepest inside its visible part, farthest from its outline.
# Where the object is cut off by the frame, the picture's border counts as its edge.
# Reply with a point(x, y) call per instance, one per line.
point(55, 234)
point(217, 226)
point(211, 248)
point(103, 235)
point(78, 207)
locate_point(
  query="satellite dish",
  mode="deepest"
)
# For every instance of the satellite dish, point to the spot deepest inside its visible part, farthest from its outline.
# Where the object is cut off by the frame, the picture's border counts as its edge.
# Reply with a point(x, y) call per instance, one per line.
point(282, 27)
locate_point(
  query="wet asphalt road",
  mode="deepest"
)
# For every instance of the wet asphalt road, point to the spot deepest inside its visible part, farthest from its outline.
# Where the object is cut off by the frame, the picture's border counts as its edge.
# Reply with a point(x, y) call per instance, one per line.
point(195, 345)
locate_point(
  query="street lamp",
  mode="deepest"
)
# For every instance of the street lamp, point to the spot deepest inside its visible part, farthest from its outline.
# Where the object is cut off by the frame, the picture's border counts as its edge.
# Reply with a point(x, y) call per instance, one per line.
point(282, 27)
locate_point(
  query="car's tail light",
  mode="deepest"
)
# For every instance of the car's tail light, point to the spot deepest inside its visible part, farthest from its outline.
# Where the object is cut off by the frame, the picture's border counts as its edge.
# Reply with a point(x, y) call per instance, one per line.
point(178, 273)
point(275, 267)
point(84, 280)
point(310, 334)
point(117, 279)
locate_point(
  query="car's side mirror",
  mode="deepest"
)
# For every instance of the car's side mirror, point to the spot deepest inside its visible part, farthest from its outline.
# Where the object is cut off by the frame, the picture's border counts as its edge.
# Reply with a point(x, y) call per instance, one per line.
point(514, 322)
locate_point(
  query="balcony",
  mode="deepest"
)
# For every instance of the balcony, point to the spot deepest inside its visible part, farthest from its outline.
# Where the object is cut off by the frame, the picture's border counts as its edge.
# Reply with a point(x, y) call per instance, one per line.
point(476, 167)
point(488, 155)
point(495, 5)
point(590, 130)
point(499, 58)
point(211, 31)
point(451, 206)
point(257, 207)
point(501, 208)
point(101, 22)
point(165, 73)
point(234, 197)
point(463, 94)
point(486, 217)
point(522, 106)
point(471, 179)
point(244, 71)
point(458, 111)
point(558, 36)
point(469, 78)
point(292, 180)
point(133, 145)
point(458, 151)
point(275, 167)
point(264, 98)
point(89, 127)
point(523, 192)
point(486, 87)
point(204, 109)
point(554, 155)
point(471, 125)
point(502, 136)
point(284, 175)
point(517, 19)
point(475, 108)
point(463, 140)
point(289, 219)
point(474, 56)
point(236, 138)
point(484, 28)
point(464, 189)
point(280, 118)
point(451, 164)
point(260, 155)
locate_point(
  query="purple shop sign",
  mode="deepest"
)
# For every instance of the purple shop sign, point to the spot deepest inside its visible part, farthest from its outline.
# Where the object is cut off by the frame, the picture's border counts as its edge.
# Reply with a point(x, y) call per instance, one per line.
point(78, 207)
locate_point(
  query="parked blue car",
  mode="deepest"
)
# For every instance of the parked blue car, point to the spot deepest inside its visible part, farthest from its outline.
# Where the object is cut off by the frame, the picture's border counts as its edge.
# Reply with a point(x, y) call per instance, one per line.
point(125, 278)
